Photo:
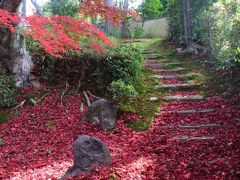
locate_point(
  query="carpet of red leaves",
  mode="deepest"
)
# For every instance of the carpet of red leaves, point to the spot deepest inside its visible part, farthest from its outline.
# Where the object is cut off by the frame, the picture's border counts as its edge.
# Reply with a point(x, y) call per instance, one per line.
point(38, 142)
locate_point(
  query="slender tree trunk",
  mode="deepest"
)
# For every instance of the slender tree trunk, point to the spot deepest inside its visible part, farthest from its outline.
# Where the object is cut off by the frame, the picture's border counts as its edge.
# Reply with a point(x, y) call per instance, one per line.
point(108, 26)
point(124, 25)
point(13, 51)
point(187, 23)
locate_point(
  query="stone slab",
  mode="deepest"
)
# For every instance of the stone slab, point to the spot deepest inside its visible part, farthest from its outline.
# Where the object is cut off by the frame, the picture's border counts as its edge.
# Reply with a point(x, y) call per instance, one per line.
point(170, 70)
point(200, 126)
point(164, 64)
point(186, 138)
point(176, 86)
point(153, 99)
point(157, 60)
point(237, 119)
point(183, 98)
point(190, 111)
point(172, 77)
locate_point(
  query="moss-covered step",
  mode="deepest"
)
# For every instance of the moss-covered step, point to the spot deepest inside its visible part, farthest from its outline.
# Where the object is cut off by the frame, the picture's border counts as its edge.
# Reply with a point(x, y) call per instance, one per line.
point(178, 86)
point(184, 76)
point(165, 64)
point(155, 57)
point(157, 60)
point(183, 98)
point(170, 70)
point(150, 52)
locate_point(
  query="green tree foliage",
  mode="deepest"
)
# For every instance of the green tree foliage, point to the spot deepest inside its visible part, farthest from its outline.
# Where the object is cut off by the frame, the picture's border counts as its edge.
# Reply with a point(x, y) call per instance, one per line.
point(62, 7)
point(151, 9)
point(215, 24)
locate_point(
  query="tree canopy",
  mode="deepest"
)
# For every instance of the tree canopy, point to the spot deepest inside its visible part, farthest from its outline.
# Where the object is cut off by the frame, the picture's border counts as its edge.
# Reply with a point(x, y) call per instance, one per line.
point(151, 9)
point(63, 34)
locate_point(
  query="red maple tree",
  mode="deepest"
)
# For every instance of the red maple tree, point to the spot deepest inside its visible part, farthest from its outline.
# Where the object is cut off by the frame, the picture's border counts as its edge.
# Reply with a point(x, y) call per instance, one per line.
point(58, 35)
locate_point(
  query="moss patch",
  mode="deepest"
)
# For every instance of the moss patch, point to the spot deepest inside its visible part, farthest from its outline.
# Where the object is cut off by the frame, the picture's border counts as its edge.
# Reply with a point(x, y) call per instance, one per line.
point(5, 116)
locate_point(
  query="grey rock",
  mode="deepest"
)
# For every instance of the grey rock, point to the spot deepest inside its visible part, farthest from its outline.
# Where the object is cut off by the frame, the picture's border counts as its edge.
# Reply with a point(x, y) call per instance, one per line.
point(102, 112)
point(88, 152)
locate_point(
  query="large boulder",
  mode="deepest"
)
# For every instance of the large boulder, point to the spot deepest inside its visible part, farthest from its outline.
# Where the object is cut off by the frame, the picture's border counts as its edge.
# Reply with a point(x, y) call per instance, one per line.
point(88, 152)
point(102, 112)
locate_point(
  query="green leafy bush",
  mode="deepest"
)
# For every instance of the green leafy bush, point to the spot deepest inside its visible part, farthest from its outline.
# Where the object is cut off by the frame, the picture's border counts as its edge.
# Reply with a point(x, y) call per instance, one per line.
point(122, 91)
point(138, 32)
point(7, 90)
point(123, 62)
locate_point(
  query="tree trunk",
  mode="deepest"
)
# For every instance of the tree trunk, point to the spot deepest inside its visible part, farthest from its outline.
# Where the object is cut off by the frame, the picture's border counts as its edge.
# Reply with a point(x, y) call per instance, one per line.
point(192, 47)
point(187, 23)
point(124, 25)
point(13, 51)
point(108, 26)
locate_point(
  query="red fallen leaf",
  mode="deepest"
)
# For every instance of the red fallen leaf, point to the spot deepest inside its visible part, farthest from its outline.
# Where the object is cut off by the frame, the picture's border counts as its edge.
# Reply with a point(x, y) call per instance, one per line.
point(40, 139)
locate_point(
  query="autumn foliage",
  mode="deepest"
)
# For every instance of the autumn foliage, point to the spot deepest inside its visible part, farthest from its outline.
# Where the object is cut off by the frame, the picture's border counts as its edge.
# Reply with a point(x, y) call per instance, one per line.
point(64, 34)
point(113, 14)
point(8, 20)
point(59, 35)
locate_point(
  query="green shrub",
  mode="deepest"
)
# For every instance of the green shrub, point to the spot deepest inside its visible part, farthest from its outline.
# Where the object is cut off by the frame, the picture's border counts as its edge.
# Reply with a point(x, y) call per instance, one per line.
point(138, 32)
point(122, 91)
point(122, 63)
point(97, 72)
point(7, 90)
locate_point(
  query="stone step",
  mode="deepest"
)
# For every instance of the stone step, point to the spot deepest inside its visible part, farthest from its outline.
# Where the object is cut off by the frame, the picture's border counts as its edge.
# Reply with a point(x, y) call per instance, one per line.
point(237, 119)
point(196, 126)
point(183, 98)
point(150, 51)
point(154, 57)
point(177, 86)
point(165, 64)
point(185, 76)
point(190, 111)
point(153, 99)
point(200, 126)
point(186, 138)
point(170, 70)
point(157, 61)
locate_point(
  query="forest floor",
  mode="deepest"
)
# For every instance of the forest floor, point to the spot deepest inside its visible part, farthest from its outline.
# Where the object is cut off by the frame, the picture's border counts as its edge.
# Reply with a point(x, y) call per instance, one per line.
point(193, 134)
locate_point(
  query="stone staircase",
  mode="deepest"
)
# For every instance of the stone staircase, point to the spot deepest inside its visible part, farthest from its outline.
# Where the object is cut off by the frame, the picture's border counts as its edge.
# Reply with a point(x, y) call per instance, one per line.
point(154, 62)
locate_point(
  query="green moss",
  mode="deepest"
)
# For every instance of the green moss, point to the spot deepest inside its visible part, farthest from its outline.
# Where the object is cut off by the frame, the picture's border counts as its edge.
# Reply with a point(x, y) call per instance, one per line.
point(141, 105)
point(4, 117)
point(29, 96)
point(1, 142)
point(139, 125)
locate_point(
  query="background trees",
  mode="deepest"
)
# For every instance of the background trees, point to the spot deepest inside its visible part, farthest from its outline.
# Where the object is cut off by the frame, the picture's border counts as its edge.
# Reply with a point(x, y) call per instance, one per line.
point(151, 9)
point(214, 24)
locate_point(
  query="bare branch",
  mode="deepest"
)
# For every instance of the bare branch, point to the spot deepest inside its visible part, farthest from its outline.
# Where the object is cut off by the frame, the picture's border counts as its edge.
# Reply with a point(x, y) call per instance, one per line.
point(93, 95)
point(87, 98)
point(20, 105)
